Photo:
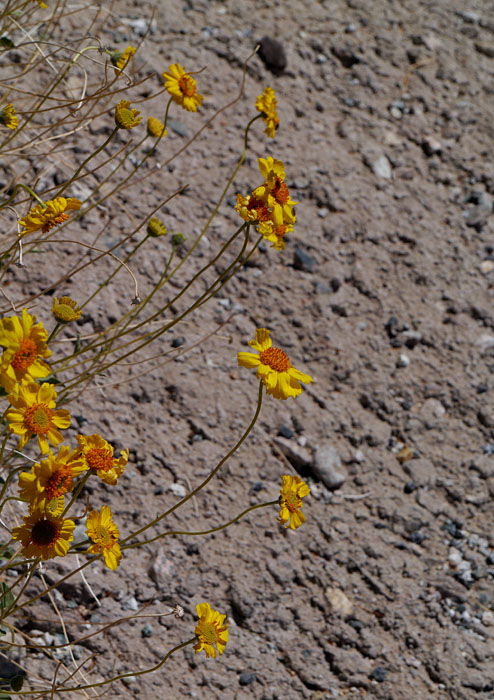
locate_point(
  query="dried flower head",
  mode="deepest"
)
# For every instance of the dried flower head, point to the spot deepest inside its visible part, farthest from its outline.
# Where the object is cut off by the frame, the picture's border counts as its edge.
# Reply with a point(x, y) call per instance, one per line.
point(33, 412)
point(178, 239)
point(155, 128)
point(126, 118)
point(121, 58)
point(182, 87)
point(98, 455)
point(25, 345)
point(273, 367)
point(266, 104)
point(104, 533)
point(292, 492)
point(210, 630)
point(155, 228)
point(66, 310)
point(8, 116)
point(44, 535)
point(48, 216)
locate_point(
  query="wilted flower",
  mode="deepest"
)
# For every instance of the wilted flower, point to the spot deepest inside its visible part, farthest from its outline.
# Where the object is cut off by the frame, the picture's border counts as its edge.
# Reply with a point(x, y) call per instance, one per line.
point(155, 128)
point(126, 118)
point(66, 310)
point(266, 104)
point(50, 215)
point(182, 87)
point(8, 116)
point(51, 477)
point(273, 367)
point(121, 58)
point(155, 228)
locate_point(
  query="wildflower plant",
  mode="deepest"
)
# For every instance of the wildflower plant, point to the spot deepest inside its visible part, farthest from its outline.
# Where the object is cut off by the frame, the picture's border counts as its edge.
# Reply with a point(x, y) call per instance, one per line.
point(48, 367)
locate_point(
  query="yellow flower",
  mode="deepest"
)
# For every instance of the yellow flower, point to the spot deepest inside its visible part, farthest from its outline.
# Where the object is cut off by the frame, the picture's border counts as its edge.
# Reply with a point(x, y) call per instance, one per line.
point(275, 233)
point(182, 87)
point(44, 535)
point(41, 3)
point(273, 367)
point(292, 492)
point(155, 128)
point(8, 117)
point(210, 630)
point(51, 478)
point(274, 190)
point(155, 228)
point(52, 214)
point(25, 346)
point(33, 413)
point(104, 533)
point(126, 118)
point(98, 455)
point(121, 58)
point(66, 310)
point(252, 209)
point(266, 104)
point(55, 507)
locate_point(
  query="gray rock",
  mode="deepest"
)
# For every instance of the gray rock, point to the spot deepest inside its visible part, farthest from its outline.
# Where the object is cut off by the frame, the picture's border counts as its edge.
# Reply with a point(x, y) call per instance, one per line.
point(484, 207)
point(302, 260)
point(381, 167)
point(485, 49)
point(161, 570)
point(327, 467)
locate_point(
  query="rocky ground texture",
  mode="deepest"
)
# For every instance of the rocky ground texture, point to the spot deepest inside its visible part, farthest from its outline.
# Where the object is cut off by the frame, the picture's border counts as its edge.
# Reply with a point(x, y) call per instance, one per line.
point(383, 295)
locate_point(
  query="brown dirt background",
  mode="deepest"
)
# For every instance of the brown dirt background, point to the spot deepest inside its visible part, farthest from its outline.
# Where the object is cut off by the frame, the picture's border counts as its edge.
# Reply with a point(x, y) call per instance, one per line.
point(401, 265)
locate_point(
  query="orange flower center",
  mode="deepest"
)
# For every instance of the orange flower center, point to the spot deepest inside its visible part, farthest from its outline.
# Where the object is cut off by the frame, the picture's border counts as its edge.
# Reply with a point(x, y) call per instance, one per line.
point(292, 501)
point(258, 206)
point(48, 225)
point(25, 356)
point(59, 483)
point(38, 418)
point(280, 231)
point(100, 458)
point(280, 191)
point(187, 85)
point(44, 532)
point(276, 359)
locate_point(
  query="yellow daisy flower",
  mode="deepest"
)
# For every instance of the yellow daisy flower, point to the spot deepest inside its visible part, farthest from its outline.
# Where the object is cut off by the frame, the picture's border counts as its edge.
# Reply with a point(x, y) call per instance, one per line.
point(55, 507)
point(182, 87)
point(275, 233)
point(44, 535)
point(210, 630)
point(52, 214)
point(33, 413)
point(98, 455)
point(266, 104)
point(104, 533)
point(51, 477)
point(292, 492)
point(252, 209)
point(126, 118)
point(121, 58)
point(273, 367)
point(25, 346)
point(155, 128)
point(66, 310)
point(8, 117)
point(274, 190)
point(155, 228)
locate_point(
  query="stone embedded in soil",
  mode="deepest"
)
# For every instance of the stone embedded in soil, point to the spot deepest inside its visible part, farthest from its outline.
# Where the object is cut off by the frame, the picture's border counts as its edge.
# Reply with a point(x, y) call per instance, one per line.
point(302, 260)
point(338, 601)
point(273, 54)
point(327, 466)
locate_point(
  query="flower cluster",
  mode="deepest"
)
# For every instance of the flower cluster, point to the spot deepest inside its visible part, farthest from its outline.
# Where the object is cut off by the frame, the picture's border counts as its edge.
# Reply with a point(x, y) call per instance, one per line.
point(52, 213)
point(269, 207)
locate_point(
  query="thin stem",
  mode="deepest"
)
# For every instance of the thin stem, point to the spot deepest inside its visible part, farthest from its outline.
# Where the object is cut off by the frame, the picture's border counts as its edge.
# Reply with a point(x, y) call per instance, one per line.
point(90, 156)
point(202, 532)
point(208, 479)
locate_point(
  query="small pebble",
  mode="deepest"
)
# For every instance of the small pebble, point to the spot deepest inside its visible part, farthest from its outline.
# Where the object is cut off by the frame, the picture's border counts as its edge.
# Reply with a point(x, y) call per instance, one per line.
point(247, 677)
point(382, 167)
point(177, 342)
point(379, 674)
point(178, 490)
point(486, 266)
point(147, 631)
point(302, 260)
point(403, 360)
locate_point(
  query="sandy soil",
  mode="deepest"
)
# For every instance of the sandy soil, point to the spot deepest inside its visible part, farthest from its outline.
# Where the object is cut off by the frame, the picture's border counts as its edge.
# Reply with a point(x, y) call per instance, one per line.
point(383, 295)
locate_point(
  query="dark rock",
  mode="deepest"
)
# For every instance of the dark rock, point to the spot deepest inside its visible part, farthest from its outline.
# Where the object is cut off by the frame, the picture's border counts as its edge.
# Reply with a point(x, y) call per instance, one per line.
point(246, 678)
point(409, 487)
point(378, 674)
point(273, 55)
point(345, 55)
point(285, 432)
point(177, 342)
point(335, 284)
point(302, 260)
